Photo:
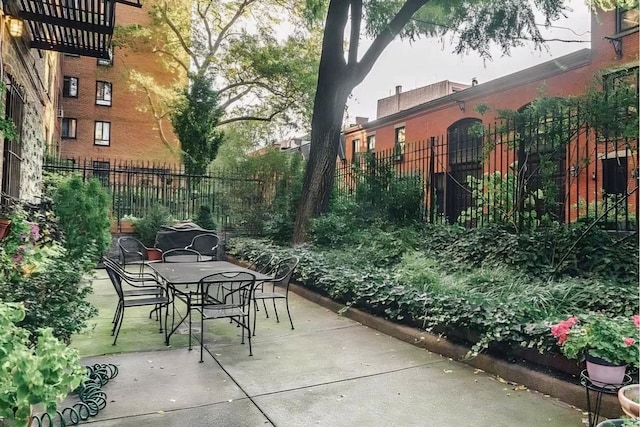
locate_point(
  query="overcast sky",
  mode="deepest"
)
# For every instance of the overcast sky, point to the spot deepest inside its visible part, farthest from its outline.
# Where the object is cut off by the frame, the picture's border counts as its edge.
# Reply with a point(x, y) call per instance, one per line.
point(428, 61)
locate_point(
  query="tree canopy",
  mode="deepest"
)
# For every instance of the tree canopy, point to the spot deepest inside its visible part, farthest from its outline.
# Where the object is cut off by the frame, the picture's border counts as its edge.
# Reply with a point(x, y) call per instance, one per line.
point(260, 56)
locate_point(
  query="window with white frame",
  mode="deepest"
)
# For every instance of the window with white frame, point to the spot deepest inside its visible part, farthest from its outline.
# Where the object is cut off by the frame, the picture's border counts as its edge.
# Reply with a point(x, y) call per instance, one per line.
point(371, 143)
point(69, 128)
point(102, 134)
point(70, 87)
point(398, 147)
point(103, 93)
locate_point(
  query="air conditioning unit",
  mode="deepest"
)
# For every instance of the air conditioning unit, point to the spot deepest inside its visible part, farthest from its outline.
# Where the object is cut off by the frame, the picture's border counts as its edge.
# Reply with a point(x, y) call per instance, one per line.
point(60, 113)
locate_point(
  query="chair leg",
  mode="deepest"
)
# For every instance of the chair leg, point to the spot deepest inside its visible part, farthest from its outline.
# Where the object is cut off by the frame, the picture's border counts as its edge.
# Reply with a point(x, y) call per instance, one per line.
point(119, 324)
point(255, 309)
point(264, 304)
point(116, 317)
point(275, 309)
point(201, 334)
point(288, 312)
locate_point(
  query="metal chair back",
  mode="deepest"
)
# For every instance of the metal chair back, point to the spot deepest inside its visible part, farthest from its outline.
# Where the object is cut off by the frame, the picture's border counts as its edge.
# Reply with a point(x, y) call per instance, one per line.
point(131, 250)
point(205, 244)
point(181, 255)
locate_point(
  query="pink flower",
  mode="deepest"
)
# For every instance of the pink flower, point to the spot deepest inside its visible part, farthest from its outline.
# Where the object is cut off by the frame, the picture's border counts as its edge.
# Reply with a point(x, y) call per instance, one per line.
point(35, 232)
point(629, 342)
point(561, 330)
point(636, 320)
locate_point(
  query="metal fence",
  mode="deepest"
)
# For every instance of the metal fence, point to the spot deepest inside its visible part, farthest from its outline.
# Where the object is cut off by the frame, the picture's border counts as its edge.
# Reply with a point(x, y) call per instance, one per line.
point(236, 201)
point(524, 173)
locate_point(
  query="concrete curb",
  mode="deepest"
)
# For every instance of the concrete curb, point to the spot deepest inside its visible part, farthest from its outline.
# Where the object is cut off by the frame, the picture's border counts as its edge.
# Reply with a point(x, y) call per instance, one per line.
point(571, 393)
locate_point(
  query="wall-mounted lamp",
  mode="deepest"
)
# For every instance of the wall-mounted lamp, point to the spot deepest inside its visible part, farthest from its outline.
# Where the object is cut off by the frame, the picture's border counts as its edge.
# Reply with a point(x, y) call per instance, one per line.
point(593, 176)
point(616, 42)
point(460, 104)
point(574, 170)
point(16, 26)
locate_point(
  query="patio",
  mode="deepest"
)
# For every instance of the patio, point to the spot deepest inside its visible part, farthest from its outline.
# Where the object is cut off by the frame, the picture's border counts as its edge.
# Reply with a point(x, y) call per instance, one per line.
point(329, 371)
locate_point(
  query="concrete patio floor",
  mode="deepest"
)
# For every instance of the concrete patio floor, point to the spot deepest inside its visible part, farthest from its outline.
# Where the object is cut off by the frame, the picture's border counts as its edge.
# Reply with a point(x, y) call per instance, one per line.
point(329, 371)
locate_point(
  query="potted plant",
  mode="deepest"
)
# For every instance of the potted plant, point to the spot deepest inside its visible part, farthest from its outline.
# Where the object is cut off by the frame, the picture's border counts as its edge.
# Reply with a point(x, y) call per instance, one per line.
point(629, 397)
point(30, 375)
point(608, 344)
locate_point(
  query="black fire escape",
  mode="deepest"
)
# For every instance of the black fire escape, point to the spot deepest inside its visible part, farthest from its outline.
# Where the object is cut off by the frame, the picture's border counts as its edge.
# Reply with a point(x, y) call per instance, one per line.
point(79, 27)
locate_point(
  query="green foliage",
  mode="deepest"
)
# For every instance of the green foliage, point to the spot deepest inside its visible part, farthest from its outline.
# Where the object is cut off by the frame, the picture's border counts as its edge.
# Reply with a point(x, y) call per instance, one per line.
point(384, 194)
point(611, 211)
point(36, 269)
point(30, 375)
point(148, 226)
point(497, 201)
point(204, 219)
point(264, 202)
point(336, 227)
point(194, 119)
point(281, 215)
point(614, 339)
point(498, 286)
point(82, 209)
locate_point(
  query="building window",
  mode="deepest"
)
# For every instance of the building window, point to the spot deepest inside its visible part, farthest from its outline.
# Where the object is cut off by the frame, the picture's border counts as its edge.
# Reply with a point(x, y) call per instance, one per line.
point(398, 147)
point(70, 87)
point(106, 62)
point(103, 93)
point(102, 133)
point(614, 175)
point(12, 152)
point(69, 128)
point(371, 143)
point(627, 19)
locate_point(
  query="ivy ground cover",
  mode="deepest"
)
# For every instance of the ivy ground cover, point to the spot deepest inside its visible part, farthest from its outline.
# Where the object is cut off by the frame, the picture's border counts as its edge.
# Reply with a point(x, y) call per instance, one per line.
point(499, 287)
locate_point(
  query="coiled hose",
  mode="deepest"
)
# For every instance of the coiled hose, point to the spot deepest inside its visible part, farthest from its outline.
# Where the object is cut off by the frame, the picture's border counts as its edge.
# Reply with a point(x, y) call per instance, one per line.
point(92, 399)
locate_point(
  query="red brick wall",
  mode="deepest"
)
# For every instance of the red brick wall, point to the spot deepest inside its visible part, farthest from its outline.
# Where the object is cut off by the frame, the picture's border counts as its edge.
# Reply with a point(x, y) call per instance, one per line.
point(134, 131)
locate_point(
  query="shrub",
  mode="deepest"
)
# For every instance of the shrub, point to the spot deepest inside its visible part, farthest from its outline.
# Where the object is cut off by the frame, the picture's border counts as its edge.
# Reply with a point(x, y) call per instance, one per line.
point(31, 375)
point(82, 209)
point(36, 271)
point(205, 219)
point(148, 226)
point(497, 303)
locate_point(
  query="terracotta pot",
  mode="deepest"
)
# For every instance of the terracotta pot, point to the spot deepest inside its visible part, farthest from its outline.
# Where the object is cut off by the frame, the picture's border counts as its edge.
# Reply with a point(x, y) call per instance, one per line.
point(4, 227)
point(629, 396)
point(154, 254)
point(602, 372)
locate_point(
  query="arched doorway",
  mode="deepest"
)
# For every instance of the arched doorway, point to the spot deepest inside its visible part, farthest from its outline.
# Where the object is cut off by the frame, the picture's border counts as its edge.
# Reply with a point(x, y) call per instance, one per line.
point(465, 159)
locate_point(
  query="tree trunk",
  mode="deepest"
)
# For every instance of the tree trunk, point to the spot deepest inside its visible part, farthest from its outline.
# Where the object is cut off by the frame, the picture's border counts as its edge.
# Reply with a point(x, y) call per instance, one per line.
point(321, 166)
point(334, 86)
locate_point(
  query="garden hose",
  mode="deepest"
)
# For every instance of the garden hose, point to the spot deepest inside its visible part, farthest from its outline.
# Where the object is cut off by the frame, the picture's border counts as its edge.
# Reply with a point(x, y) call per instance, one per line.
point(92, 399)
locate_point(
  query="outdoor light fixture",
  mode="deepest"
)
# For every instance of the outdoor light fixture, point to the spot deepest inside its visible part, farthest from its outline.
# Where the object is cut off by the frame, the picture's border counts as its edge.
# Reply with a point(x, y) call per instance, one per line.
point(16, 26)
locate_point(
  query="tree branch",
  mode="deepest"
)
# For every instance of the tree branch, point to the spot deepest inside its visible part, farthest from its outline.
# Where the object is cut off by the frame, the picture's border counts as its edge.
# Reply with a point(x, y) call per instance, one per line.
point(235, 98)
point(354, 37)
point(176, 31)
point(249, 118)
point(383, 39)
point(174, 57)
point(223, 30)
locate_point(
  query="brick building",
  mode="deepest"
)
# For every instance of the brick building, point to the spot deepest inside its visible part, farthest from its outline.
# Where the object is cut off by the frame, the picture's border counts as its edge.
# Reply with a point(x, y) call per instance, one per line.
point(448, 119)
point(102, 118)
point(32, 38)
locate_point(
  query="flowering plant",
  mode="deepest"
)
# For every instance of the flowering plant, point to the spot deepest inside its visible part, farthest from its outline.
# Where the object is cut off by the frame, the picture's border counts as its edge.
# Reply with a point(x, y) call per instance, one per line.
point(614, 339)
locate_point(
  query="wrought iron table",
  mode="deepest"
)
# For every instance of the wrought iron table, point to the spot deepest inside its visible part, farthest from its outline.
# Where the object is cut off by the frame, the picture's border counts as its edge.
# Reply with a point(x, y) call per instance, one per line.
point(178, 276)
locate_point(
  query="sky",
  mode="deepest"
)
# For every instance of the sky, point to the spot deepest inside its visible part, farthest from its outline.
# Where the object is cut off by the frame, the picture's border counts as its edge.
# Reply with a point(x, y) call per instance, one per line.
point(427, 61)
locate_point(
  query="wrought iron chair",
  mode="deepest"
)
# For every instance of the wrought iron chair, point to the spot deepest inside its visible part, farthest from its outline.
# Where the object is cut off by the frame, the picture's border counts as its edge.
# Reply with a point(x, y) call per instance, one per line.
point(262, 264)
point(133, 251)
point(206, 244)
point(144, 284)
point(181, 255)
point(234, 304)
point(124, 302)
point(283, 272)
